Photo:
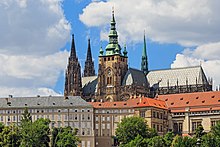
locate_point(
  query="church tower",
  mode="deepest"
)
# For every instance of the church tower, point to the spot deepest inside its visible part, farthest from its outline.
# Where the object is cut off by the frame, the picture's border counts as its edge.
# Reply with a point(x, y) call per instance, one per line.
point(112, 67)
point(73, 83)
point(89, 69)
point(144, 61)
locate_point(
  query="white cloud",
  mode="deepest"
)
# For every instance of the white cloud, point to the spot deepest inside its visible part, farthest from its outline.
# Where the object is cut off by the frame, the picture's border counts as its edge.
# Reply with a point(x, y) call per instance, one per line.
point(23, 92)
point(207, 55)
point(32, 27)
point(187, 22)
point(32, 71)
point(32, 33)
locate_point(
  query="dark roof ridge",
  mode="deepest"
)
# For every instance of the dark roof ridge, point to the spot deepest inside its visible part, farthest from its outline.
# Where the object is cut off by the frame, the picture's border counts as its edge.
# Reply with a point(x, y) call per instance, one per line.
point(135, 69)
point(177, 68)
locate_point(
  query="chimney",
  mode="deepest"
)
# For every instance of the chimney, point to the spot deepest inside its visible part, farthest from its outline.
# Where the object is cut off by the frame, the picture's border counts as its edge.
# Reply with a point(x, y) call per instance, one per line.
point(140, 100)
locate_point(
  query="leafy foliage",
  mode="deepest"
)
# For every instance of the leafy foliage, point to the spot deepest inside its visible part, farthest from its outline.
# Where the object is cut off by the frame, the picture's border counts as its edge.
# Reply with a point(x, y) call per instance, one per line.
point(209, 140)
point(139, 141)
point(156, 141)
point(9, 136)
point(168, 138)
point(180, 141)
point(131, 127)
point(34, 133)
point(64, 137)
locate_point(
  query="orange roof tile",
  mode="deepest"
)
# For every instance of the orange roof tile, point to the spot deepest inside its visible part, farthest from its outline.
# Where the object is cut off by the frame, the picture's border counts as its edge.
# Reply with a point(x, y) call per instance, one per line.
point(132, 103)
point(198, 101)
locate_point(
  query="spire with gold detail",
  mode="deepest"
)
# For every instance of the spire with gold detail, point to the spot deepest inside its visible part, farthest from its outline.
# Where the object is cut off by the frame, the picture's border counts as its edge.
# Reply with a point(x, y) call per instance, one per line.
point(144, 60)
point(113, 48)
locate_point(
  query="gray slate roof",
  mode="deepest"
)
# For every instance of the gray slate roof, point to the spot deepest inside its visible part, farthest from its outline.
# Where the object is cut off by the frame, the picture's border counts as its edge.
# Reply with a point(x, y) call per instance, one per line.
point(89, 84)
point(49, 101)
point(136, 77)
point(180, 74)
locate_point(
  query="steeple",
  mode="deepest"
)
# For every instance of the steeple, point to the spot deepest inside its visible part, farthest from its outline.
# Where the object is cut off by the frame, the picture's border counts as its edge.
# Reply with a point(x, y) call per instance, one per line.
point(73, 50)
point(89, 69)
point(101, 50)
point(125, 51)
point(113, 47)
point(73, 83)
point(144, 61)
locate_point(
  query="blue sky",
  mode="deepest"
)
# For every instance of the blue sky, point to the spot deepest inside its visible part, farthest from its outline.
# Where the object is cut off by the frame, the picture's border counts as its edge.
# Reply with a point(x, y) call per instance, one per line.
point(35, 47)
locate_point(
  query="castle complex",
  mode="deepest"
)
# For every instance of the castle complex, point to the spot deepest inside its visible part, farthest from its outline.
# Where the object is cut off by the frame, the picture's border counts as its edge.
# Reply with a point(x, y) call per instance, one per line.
point(118, 82)
point(178, 99)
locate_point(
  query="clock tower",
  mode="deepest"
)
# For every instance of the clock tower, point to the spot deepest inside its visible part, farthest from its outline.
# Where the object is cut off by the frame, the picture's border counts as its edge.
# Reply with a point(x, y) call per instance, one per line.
point(112, 67)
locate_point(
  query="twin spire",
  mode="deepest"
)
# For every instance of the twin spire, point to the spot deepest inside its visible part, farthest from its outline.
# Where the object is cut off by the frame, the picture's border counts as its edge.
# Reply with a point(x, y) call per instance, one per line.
point(89, 69)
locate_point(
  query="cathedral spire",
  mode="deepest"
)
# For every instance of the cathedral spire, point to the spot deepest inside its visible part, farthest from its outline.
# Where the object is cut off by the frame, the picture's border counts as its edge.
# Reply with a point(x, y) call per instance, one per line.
point(89, 69)
point(89, 53)
point(144, 61)
point(73, 83)
point(73, 50)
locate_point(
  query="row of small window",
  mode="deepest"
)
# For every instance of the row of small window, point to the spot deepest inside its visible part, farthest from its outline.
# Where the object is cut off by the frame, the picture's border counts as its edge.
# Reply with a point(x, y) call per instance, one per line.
point(159, 115)
point(205, 112)
point(84, 130)
point(107, 118)
point(44, 110)
point(115, 111)
point(84, 117)
point(178, 127)
point(158, 128)
point(179, 114)
point(112, 58)
point(104, 126)
point(197, 113)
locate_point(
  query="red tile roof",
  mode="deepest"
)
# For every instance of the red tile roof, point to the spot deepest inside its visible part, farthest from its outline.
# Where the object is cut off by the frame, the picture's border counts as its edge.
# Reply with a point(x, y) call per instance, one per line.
point(198, 101)
point(132, 103)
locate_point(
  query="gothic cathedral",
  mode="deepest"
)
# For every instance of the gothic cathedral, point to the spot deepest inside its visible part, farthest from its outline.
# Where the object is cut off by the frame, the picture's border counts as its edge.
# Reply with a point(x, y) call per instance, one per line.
point(118, 82)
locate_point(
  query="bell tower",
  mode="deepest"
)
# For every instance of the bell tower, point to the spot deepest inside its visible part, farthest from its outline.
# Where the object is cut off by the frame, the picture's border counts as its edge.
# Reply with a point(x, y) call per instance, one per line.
point(112, 67)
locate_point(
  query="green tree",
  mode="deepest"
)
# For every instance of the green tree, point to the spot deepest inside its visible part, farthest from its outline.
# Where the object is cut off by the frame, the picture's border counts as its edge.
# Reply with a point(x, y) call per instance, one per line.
point(216, 130)
point(209, 140)
point(152, 133)
point(34, 133)
point(9, 136)
point(180, 141)
point(1, 127)
point(139, 141)
point(199, 131)
point(156, 141)
point(168, 138)
point(64, 137)
point(131, 127)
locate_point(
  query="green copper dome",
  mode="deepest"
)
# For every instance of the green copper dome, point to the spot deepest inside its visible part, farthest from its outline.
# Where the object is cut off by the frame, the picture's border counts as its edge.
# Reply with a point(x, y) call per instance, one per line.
point(113, 48)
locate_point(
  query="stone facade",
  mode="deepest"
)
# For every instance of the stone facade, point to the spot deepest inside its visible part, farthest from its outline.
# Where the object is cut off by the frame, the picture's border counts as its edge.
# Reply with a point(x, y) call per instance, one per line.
point(70, 111)
point(188, 111)
point(107, 116)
